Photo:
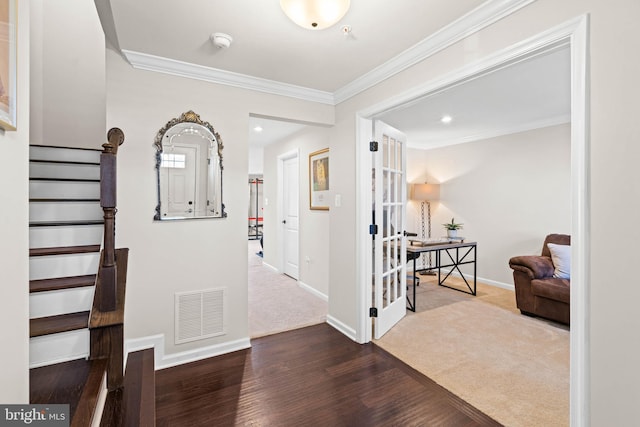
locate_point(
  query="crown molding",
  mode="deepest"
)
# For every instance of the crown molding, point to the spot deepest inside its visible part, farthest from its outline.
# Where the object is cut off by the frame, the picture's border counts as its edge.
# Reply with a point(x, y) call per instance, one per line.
point(479, 18)
point(493, 133)
point(144, 61)
point(484, 15)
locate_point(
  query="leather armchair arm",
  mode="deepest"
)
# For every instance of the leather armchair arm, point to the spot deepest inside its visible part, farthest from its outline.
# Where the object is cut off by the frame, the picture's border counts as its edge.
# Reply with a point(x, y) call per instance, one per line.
point(536, 267)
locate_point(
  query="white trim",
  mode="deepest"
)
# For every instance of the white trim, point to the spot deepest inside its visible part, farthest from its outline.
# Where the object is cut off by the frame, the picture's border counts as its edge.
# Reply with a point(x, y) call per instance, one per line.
point(313, 291)
point(163, 360)
point(580, 384)
point(341, 327)
point(144, 61)
point(266, 264)
point(575, 33)
point(484, 15)
point(493, 133)
point(364, 245)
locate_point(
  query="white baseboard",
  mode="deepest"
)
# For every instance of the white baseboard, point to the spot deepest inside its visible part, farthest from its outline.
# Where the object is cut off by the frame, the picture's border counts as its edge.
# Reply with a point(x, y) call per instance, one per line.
point(346, 330)
point(270, 266)
point(314, 291)
point(163, 360)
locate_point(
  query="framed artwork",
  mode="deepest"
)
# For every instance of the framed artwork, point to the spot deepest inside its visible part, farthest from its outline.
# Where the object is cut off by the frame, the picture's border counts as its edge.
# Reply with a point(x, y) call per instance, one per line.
point(8, 64)
point(319, 180)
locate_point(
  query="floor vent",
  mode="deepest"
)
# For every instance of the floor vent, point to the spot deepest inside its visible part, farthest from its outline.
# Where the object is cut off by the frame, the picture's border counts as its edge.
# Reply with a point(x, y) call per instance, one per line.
point(200, 315)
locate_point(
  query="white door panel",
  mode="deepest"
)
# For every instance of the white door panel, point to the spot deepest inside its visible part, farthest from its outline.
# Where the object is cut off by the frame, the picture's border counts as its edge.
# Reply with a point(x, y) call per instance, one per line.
point(389, 198)
point(291, 219)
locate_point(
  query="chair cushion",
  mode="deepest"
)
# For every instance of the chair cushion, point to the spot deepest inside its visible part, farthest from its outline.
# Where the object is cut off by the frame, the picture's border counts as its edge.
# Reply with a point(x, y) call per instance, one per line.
point(552, 288)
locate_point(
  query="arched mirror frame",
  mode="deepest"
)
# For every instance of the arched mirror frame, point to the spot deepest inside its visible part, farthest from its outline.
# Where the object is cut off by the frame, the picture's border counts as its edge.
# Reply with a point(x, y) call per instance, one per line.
point(188, 117)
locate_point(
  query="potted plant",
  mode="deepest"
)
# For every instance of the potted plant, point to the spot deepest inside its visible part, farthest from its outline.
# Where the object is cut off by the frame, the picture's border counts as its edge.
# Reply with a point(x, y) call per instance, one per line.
point(452, 228)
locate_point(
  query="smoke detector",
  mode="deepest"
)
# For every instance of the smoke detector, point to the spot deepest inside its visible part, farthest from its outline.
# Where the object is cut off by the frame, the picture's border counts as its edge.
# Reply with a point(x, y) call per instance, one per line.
point(221, 40)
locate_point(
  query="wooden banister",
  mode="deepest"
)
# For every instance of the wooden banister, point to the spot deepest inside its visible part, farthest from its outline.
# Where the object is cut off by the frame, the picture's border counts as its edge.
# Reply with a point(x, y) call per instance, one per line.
point(106, 322)
point(108, 178)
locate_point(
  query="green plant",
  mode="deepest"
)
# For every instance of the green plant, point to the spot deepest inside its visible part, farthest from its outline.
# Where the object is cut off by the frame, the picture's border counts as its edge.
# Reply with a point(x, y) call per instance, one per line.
point(452, 225)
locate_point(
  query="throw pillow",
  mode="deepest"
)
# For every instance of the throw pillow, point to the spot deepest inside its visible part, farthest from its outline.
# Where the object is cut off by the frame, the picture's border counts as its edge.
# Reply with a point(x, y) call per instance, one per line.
point(561, 258)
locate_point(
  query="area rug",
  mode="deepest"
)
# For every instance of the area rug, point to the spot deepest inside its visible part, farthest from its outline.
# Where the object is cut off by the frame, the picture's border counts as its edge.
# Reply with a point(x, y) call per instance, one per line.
point(512, 367)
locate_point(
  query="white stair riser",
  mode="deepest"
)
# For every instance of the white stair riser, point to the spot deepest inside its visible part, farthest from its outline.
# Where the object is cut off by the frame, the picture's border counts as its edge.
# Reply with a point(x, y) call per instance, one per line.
point(56, 348)
point(53, 303)
point(57, 170)
point(47, 267)
point(70, 211)
point(63, 154)
point(54, 237)
point(64, 190)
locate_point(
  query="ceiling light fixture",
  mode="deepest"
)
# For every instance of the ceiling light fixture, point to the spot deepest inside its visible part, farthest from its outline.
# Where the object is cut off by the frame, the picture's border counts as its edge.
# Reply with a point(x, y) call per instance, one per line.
point(257, 129)
point(446, 119)
point(315, 14)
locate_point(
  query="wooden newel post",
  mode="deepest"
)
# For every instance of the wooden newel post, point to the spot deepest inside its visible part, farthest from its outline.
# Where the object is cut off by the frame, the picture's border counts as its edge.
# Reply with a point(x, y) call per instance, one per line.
point(115, 138)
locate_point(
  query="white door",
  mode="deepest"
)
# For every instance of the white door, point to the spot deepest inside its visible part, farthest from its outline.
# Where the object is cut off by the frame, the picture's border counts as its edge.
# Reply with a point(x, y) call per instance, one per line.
point(389, 241)
point(179, 169)
point(290, 221)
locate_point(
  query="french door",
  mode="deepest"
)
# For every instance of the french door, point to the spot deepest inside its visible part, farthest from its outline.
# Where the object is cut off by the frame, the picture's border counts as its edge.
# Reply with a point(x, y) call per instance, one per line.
point(389, 223)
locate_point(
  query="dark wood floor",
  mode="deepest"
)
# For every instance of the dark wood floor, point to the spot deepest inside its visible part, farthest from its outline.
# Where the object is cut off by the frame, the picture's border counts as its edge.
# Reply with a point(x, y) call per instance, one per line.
point(313, 376)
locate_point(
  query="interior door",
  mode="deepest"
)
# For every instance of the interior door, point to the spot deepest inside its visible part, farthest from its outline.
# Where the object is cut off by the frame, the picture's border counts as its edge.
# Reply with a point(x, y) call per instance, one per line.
point(389, 216)
point(290, 221)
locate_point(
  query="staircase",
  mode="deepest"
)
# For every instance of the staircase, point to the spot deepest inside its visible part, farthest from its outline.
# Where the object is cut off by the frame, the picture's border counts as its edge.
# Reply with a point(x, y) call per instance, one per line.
point(65, 234)
point(77, 291)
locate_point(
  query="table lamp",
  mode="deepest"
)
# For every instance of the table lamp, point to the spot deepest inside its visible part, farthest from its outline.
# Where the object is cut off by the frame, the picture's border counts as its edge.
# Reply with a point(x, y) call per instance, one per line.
point(425, 193)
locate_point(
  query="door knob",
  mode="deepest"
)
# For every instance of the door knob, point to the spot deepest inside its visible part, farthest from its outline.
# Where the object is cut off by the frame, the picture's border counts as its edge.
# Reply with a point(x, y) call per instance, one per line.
point(284, 221)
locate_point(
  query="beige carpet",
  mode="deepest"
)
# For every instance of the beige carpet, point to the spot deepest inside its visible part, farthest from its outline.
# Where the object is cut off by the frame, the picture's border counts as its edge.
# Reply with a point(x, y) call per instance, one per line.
point(512, 367)
point(276, 302)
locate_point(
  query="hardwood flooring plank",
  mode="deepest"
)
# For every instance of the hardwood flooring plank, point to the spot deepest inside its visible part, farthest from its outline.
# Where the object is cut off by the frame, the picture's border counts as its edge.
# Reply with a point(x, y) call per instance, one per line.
point(311, 376)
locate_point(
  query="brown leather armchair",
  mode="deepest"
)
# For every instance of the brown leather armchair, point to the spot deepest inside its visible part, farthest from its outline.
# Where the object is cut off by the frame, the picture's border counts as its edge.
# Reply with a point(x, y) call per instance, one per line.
point(538, 293)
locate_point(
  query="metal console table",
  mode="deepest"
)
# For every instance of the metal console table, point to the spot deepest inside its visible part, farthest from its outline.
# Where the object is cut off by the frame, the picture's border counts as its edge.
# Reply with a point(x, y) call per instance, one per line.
point(457, 254)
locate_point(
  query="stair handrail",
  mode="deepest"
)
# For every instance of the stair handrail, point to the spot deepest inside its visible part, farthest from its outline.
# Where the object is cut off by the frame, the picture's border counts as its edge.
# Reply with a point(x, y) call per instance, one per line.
point(108, 178)
point(106, 322)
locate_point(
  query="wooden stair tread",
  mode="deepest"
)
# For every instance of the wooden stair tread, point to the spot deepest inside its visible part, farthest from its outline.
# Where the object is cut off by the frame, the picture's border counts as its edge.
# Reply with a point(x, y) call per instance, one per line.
point(60, 323)
point(64, 250)
point(65, 179)
point(55, 200)
point(55, 284)
point(76, 383)
point(65, 223)
point(64, 162)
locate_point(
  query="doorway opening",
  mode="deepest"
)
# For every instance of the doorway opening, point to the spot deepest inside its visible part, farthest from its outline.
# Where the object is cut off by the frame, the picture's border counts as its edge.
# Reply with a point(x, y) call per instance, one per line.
point(285, 290)
point(574, 35)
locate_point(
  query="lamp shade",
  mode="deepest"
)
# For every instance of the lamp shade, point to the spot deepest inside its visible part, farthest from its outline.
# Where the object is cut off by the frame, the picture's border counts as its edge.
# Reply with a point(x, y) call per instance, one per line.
point(315, 14)
point(426, 192)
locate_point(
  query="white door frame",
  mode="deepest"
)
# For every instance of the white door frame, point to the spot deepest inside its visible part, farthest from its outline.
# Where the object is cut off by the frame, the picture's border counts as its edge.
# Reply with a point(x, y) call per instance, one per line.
point(573, 33)
point(281, 209)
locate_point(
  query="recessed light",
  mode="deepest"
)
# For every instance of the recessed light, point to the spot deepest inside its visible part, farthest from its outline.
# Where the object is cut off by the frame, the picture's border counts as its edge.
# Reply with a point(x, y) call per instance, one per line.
point(446, 119)
point(257, 129)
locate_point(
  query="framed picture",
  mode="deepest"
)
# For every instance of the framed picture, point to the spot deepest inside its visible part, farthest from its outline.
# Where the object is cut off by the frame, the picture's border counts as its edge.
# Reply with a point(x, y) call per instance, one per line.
point(319, 180)
point(8, 64)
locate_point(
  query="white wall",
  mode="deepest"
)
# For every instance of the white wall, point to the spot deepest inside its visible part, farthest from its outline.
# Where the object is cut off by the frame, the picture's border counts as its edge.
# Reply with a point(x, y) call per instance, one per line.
point(314, 224)
point(256, 160)
point(510, 192)
point(14, 226)
point(178, 256)
point(613, 153)
point(68, 106)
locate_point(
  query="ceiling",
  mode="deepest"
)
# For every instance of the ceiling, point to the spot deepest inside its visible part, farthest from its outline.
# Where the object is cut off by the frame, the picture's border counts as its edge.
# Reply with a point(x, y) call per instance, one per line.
point(272, 51)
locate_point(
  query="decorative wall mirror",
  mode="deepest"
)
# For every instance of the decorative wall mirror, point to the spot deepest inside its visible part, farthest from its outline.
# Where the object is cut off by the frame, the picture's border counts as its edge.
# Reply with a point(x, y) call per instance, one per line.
point(189, 170)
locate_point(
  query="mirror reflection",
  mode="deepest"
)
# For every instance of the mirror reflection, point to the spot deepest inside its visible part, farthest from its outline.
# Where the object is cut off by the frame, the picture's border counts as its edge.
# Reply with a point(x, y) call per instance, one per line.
point(189, 169)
